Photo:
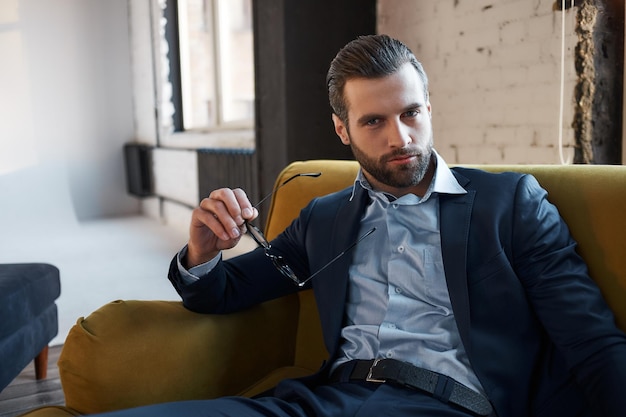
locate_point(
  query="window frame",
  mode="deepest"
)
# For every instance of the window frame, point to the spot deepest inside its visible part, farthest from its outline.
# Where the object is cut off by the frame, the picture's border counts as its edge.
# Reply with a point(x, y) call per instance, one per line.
point(238, 134)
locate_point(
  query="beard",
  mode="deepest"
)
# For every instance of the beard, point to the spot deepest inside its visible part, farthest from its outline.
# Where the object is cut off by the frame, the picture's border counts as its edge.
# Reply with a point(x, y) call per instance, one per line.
point(404, 176)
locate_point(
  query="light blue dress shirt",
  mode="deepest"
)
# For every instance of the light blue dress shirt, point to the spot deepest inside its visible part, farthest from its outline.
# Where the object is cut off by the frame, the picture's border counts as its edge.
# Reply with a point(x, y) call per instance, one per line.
point(398, 303)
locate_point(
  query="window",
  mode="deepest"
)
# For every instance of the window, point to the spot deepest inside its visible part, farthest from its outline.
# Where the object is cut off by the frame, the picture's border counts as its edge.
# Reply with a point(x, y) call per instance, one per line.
point(211, 64)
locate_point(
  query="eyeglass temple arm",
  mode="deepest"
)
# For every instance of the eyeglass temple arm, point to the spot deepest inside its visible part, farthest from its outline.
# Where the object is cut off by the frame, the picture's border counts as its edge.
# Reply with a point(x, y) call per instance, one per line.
point(356, 242)
point(304, 174)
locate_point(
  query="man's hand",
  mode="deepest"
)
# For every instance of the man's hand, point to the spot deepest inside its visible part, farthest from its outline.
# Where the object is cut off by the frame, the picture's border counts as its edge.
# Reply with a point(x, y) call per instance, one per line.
point(217, 224)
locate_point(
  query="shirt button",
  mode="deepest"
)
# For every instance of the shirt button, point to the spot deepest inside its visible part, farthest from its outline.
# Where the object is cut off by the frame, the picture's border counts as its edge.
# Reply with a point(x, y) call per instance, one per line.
point(389, 355)
point(398, 290)
point(400, 249)
point(395, 206)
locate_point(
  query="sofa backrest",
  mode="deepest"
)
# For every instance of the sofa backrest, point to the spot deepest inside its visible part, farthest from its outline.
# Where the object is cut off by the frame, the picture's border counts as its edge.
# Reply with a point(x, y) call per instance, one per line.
point(591, 199)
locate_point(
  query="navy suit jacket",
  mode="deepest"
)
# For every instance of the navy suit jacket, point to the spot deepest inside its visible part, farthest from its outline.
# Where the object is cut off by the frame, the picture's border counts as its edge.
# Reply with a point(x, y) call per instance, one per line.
point(535, 327)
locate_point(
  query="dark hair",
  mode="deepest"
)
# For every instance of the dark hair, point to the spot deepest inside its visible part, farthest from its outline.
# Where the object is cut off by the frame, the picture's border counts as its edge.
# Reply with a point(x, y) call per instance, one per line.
point(371, 56)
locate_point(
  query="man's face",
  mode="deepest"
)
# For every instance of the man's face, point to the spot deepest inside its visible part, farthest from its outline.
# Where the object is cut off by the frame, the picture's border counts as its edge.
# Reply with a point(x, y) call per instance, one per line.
point(390, 131)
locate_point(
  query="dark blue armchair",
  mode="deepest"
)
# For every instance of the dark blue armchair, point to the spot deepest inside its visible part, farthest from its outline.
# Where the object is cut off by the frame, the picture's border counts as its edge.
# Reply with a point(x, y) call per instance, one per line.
point(28, 317)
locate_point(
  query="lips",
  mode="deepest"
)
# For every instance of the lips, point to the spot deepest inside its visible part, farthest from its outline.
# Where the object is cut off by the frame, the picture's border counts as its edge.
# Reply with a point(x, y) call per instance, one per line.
point(402, 158)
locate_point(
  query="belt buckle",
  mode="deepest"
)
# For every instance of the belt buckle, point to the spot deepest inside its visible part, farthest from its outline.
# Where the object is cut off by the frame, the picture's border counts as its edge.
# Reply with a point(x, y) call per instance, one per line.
point(369, 374)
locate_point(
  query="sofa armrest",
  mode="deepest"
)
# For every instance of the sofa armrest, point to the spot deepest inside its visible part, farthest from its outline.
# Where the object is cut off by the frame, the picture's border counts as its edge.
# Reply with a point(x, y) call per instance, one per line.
point(132, 353)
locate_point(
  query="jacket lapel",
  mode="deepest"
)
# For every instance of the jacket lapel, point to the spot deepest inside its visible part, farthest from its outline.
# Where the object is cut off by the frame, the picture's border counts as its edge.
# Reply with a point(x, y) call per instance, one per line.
point(331, 287)
point(455, 213)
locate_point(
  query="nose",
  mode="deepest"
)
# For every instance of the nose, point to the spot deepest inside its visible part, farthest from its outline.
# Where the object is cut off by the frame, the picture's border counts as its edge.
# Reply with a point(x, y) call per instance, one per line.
point(398, 134)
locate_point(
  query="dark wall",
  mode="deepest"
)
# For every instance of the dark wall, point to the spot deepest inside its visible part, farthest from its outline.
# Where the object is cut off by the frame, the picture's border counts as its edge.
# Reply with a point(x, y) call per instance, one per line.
point(294, 44)
point(599, 90)
point(608, 62)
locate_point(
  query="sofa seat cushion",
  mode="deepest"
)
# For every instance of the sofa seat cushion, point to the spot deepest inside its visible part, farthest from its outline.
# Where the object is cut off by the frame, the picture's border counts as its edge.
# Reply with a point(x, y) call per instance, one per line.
point(51, 411)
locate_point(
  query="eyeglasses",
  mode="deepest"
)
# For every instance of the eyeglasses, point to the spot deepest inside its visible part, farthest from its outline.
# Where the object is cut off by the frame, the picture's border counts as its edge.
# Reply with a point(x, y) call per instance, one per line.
point(278, 261)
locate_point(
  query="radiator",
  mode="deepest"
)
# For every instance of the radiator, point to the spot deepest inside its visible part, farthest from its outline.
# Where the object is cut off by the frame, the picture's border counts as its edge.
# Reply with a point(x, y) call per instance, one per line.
point(138, 164)
point(233, 168)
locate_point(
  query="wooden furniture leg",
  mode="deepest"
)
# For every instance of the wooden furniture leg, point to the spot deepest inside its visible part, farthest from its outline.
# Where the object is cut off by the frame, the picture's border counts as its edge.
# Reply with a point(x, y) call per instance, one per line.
point(41, 364)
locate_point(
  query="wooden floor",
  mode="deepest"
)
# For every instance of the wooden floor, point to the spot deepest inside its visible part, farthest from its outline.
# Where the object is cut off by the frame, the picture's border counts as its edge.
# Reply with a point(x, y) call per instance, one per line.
point(26, 393)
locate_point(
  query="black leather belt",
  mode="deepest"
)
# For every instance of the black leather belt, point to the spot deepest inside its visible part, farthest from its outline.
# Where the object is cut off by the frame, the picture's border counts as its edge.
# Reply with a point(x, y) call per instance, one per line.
point(439, 386)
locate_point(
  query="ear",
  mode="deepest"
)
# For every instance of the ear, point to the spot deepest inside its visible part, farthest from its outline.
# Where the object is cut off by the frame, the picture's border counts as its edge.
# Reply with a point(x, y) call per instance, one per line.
point(341, 130)
point(430, 110)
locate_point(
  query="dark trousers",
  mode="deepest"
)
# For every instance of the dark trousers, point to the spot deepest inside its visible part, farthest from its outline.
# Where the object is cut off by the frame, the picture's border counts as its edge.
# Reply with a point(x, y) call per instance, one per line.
point(294, 399)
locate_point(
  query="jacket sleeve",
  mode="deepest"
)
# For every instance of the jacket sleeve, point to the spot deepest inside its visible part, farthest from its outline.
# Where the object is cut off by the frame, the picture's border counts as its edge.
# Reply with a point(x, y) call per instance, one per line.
point(249, 279)
point(567, 301)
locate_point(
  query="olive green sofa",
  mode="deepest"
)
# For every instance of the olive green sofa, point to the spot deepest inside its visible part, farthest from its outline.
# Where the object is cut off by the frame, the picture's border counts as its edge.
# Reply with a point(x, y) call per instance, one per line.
point(130, 353)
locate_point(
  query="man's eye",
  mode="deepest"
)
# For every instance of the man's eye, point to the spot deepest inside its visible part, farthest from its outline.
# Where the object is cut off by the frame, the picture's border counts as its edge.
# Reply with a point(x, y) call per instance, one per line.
point(411, 113)
point(372, 122)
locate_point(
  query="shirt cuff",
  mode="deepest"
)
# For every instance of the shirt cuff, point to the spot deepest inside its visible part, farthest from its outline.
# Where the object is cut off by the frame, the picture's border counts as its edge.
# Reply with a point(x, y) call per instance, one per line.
point(193, 274)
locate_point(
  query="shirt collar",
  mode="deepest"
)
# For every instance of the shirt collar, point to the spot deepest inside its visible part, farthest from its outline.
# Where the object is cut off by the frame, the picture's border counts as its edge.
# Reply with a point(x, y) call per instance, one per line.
point(443, 181)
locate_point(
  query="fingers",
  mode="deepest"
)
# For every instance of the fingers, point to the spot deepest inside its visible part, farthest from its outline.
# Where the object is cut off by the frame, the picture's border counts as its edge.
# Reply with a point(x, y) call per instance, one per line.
point(226, 211)
point(217, 224)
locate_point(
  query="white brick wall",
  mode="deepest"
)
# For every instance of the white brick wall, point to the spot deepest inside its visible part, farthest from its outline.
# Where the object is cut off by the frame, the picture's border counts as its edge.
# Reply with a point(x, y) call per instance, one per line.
point(494, 69)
